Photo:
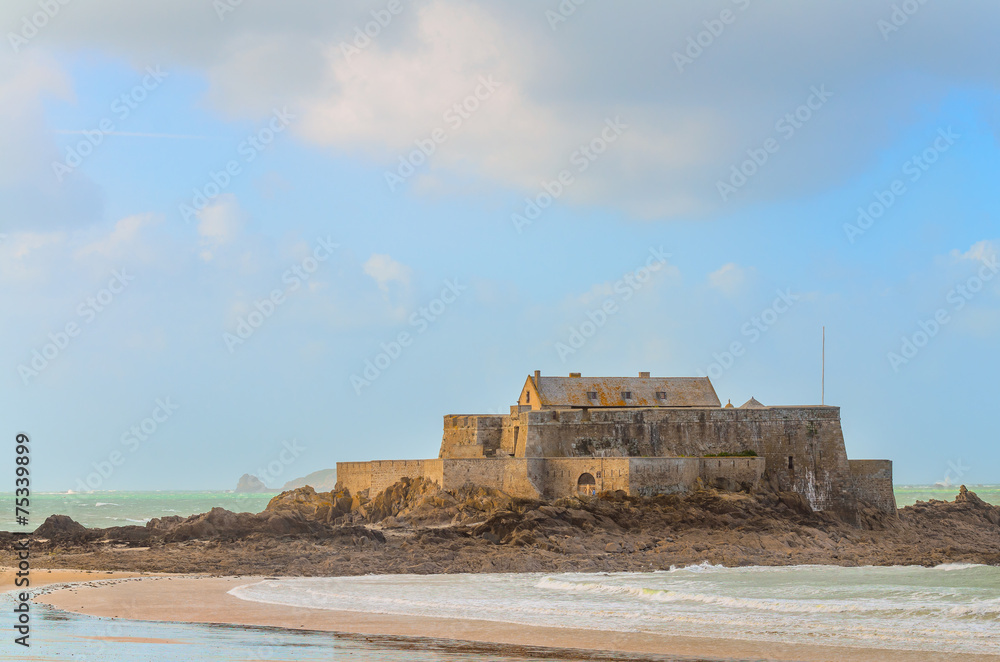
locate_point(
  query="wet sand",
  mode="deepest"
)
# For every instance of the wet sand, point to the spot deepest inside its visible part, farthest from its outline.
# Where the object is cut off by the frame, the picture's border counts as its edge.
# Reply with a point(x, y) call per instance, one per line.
point(44, 577)
point(206, 600)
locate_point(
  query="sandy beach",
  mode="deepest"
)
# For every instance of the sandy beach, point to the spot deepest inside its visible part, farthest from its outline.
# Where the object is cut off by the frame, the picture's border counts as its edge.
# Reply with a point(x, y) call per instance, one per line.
point(206, 600)
point(44, 577)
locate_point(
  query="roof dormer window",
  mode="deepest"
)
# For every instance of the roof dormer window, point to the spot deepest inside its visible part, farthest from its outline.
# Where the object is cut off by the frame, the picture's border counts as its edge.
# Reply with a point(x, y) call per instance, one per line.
point(592, 395)
point(661, 395)
point(626, 395)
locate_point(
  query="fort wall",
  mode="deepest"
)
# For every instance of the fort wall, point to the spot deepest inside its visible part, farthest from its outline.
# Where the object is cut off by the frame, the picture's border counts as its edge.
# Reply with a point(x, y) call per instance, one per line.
point(653, 450)
point(732, 473)
point(803, 447)
point(560, 476)
point(555, 477)
point(873, 483)
point(655, 475)
point(354, 476)
point(510, 475)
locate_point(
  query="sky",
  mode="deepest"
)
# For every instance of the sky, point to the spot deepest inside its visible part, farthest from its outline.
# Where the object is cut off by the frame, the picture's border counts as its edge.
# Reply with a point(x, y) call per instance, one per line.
point(248, 237)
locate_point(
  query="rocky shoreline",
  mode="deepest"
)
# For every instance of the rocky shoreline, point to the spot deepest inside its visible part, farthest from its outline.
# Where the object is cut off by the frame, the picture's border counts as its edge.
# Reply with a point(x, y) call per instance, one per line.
point(415, 527)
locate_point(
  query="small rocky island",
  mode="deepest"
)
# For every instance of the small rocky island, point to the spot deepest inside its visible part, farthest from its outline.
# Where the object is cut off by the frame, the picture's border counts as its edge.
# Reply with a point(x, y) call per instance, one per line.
point(584, 474)
point(249, 483)
point(416, 527)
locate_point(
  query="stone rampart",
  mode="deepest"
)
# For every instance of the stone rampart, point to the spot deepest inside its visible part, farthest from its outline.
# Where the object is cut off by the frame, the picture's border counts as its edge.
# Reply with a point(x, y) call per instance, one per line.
point(661, 475)
point(732, 473)
point(873, 483)
point(510, 475)
point(803, 447)
point(354, 476)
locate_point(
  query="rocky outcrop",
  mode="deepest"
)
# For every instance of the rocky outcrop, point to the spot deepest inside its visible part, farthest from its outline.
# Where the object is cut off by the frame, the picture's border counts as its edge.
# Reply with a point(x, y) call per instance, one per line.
point(416, 527)
point(61, 527)
point(251, 484)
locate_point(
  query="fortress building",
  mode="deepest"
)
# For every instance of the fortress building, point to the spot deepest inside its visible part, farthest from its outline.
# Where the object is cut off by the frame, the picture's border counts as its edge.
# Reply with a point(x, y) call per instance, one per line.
point(643, 435)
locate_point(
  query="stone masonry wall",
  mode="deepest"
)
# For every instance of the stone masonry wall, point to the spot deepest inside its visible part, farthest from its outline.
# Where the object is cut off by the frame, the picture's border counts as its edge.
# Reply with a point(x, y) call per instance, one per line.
point(471, 436)
point(560, 476)
point(510, 475)
point(873, 483)
point(354, 476)
point(731, 472)
point(803, 447)
point(656, 475)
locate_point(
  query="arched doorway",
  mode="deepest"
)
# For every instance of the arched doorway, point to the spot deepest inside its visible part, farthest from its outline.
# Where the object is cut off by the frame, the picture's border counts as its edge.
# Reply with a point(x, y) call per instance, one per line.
point(586, 484)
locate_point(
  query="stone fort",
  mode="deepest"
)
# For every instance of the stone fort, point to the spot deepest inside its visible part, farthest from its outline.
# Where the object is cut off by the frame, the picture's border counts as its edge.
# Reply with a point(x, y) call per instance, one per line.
point(645, 436)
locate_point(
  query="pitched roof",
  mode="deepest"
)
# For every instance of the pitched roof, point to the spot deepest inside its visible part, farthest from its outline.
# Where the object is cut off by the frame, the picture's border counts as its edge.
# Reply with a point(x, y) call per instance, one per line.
point(752, 404)
point(678, 392)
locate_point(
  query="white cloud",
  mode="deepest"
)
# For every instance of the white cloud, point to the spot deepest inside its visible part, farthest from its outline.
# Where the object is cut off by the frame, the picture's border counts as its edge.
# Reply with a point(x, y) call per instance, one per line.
point(730, 279)
point(122, 241)
point(980, 251)
point(384, 270)
point(219, 224)
point(686, 128)
point(18, 259)
point(31, 194)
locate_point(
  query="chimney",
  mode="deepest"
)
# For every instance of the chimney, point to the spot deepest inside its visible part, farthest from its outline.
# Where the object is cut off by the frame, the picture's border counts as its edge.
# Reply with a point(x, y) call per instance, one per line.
point(644, 375)
point(574, 374)
point(538, 376)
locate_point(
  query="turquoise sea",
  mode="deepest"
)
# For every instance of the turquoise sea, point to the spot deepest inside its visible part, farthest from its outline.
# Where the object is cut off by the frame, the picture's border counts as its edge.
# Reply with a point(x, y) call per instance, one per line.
point(112, 508)
point(907, 495)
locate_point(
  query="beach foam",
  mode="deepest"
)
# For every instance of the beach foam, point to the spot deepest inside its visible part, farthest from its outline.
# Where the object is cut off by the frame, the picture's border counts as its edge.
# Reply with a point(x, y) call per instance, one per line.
point(955, 609)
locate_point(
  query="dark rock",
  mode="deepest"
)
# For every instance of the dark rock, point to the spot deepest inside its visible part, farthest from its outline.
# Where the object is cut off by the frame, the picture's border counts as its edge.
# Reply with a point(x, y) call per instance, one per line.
point(57, 527)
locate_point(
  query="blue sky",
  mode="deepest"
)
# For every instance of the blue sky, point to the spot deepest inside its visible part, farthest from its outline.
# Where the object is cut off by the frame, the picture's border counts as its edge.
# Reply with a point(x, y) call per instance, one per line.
point(442, 257)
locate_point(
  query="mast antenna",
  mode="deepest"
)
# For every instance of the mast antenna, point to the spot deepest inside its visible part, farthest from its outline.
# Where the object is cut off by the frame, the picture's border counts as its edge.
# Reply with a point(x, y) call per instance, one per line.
point(823, 377)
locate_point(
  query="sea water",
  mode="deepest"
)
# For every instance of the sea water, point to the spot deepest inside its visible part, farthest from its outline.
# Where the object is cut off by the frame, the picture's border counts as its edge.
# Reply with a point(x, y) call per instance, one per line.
point(951, 608)
point(113, 508)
